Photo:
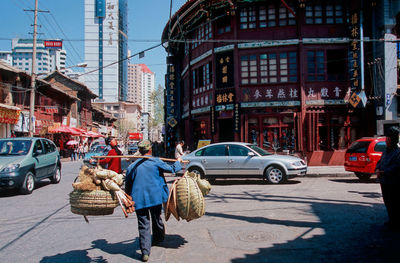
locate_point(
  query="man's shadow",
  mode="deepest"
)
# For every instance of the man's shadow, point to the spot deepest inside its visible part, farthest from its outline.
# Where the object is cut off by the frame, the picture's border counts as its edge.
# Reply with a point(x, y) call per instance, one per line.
point(127, 248)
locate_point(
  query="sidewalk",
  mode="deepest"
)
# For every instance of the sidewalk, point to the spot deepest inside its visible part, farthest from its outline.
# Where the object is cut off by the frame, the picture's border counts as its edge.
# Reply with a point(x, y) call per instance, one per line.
point(332, 171)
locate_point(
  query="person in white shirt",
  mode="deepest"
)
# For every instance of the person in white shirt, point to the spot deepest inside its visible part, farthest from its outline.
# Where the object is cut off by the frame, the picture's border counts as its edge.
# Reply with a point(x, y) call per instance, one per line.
point(179, 149)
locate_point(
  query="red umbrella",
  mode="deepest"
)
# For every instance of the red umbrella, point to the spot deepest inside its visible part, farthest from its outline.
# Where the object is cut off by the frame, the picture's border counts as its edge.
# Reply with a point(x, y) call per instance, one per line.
point(72, 142)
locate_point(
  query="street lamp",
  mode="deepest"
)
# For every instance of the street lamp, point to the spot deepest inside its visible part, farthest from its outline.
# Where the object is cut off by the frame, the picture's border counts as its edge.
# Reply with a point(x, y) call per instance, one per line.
point(80, 65)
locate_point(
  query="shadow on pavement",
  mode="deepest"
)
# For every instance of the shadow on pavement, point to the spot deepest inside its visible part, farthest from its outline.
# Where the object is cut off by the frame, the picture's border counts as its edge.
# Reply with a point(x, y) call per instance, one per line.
point(72, 257)
point(127, 248)
point(355, 181)
point(15, 192)
point(344, 231)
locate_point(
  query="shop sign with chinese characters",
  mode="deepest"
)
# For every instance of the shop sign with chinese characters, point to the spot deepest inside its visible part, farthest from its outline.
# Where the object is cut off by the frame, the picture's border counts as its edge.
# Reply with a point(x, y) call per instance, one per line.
point(171, 96)
point(225, 97)
point(212, 116)
point(224, 68)
point(355, 70)
point(236, 118)
point(51, 109)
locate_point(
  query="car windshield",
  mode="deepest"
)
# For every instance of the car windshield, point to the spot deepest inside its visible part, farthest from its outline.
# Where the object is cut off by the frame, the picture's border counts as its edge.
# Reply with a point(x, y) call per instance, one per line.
point(15, 147)
point(99, 149)
point(259, 150)
point(359, 147)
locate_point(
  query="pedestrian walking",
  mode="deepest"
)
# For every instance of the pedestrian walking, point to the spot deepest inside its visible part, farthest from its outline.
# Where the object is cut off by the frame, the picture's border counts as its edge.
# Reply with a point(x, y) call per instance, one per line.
point(72, 152)
point(85, 149)
point(179, 149)
point(388, 172)
point(146, 184)
point(113, 164)
point(80, 151)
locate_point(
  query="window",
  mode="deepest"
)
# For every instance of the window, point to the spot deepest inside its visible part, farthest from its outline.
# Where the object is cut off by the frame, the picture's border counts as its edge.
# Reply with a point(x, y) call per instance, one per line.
point(334, 14)
point(217, 150)
point(268, 68)
point(285, 16)
point(237, 150)
point(202, 32)
point(324, 12)
point(264, 16)
point(273, 68)
point(315, 65)
point(248, 18)
point(288, 67)
point(359, 147)
point(38, 147)
point(380, 147)
point(248, 65)
point(48, 146)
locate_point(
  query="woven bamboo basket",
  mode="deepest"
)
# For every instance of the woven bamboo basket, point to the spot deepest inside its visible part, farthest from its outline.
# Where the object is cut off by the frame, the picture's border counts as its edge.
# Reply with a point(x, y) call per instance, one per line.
point(189, 198)
point(92, 203)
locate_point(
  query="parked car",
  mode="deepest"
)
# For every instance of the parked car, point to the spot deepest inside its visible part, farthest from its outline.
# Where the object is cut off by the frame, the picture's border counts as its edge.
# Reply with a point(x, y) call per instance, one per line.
point(132, 147)
point(25, 161)
point(363, 154)
point(236, 159)
point(97, 150)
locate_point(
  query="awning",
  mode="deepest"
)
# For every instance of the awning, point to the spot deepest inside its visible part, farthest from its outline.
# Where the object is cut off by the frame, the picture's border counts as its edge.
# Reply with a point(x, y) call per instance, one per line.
point(94, 134)
point(9, 114)
point(10, 107)
point(65, 129)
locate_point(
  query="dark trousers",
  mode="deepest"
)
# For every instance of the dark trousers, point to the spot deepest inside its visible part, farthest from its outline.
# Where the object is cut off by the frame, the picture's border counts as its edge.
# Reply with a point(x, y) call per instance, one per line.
point(144, 227)
point(391, 198)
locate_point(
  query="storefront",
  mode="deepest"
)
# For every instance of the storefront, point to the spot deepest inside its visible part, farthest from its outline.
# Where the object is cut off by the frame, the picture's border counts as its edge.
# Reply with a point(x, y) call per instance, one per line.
point(9, 116)
point(273, 131)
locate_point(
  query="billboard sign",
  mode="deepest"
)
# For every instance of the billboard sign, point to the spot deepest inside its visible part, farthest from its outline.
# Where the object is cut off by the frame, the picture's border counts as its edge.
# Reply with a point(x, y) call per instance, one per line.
point(53, 43)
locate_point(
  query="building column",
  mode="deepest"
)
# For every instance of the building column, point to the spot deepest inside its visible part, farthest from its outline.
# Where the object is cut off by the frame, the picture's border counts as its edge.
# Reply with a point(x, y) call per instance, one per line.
point(390, 64)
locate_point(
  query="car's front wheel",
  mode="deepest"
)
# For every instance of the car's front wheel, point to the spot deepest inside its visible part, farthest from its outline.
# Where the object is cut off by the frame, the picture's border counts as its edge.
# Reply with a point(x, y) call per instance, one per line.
point(275, 175)
point(363, 176)
point(29, 184)
point(56, 178)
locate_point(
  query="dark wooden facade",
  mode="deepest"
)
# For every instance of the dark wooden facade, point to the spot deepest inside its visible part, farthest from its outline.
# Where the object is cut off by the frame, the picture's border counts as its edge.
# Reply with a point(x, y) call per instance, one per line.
point(275, 73)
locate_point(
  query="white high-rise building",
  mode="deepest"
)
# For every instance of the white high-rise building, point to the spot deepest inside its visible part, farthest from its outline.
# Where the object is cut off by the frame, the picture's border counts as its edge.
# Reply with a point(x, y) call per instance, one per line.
point(135, 83)
point(106, 49)
point(6, 56)
point(147, 89)
point(49, 57)
point(141, 84)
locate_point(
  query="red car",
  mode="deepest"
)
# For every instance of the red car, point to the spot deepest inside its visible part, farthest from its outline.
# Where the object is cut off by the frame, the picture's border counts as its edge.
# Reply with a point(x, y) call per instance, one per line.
point(361, 157)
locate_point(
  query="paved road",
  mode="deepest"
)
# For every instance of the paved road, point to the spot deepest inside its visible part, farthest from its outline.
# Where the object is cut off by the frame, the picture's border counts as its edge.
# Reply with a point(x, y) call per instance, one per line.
point(324, 219)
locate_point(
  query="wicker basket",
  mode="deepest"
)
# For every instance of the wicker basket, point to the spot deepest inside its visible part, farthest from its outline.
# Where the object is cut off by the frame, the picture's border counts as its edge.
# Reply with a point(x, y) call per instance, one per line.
point(92, 203)
point(189, 198)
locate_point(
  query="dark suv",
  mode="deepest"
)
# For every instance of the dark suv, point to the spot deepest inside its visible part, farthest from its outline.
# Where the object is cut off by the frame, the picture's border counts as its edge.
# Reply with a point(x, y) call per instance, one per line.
point(362, 155)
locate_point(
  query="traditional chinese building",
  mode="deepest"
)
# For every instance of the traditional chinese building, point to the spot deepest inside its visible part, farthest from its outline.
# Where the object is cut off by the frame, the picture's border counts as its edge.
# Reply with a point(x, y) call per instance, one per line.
point(80, 115)
point(286, 75)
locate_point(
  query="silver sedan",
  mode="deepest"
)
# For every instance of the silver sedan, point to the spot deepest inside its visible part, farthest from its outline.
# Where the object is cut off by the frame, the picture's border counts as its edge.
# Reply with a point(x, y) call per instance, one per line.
point(236, 159)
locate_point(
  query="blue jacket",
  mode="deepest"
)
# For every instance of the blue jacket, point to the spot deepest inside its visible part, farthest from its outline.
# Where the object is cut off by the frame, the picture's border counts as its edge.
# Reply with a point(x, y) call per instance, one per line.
point(390, 165)
point(145, 181)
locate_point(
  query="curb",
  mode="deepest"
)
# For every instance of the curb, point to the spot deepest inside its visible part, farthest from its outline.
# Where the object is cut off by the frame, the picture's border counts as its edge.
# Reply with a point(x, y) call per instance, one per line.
point(329, 175)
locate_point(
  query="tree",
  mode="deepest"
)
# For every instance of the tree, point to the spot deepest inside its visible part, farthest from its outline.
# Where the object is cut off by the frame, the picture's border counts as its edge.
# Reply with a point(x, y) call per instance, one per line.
point(125, 126)
point(157, 98)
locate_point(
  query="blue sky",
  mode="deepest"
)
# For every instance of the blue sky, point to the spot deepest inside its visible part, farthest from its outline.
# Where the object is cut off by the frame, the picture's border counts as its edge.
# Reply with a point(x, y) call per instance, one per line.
point(146, 21)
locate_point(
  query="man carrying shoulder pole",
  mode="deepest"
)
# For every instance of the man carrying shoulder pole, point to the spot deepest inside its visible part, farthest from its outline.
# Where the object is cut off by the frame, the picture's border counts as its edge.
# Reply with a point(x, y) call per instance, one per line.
point(146, 184)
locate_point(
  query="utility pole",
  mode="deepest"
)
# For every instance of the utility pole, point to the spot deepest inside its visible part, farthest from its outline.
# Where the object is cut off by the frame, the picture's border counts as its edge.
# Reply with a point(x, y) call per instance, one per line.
point(33, 75)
